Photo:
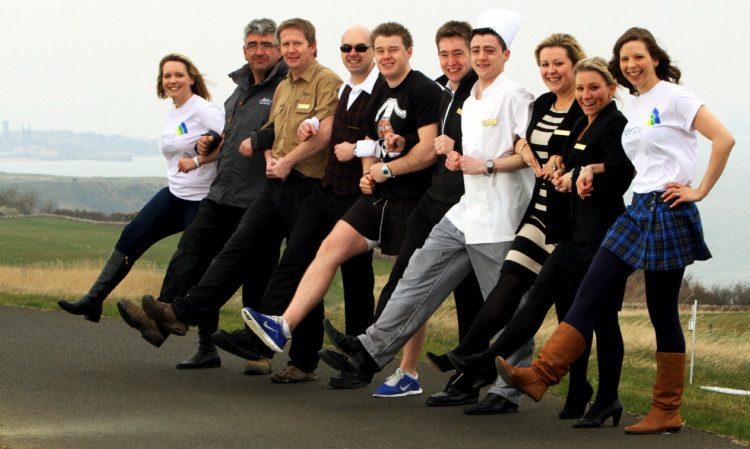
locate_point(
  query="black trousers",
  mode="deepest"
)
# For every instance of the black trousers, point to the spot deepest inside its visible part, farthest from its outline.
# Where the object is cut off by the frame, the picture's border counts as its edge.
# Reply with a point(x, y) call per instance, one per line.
point(317, 216)
point(467, 295)
point(252, 251)
point(199, 244)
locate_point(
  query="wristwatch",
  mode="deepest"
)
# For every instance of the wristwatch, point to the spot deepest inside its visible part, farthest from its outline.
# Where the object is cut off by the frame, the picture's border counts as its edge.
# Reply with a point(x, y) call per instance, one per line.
point(490, 166)
point(386, 171)
point(197, 162)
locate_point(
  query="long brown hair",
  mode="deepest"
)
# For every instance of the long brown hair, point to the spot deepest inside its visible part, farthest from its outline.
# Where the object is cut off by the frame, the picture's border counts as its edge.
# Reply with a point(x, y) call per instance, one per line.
point(665, 71)
point(199, 85)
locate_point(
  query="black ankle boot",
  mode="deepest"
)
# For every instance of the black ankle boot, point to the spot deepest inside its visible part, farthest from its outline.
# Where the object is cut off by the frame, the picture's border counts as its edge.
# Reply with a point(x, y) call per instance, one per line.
point(575, 404)
point(207, 356)
point(90, 305)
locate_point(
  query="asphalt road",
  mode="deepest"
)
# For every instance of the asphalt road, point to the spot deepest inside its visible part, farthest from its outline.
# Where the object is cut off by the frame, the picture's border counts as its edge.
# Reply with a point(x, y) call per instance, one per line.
point(69, 383)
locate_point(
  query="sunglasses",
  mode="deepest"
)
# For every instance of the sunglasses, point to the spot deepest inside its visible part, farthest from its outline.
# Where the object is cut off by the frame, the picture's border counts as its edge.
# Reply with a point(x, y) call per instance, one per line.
point(359, 48)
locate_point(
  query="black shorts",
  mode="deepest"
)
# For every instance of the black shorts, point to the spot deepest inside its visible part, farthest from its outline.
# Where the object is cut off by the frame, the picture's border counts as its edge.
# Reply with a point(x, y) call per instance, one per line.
point(382, 222)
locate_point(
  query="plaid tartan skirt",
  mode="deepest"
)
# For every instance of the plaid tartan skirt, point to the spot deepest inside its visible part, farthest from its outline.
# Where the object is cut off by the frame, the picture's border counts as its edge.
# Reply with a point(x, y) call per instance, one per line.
point(653, 237)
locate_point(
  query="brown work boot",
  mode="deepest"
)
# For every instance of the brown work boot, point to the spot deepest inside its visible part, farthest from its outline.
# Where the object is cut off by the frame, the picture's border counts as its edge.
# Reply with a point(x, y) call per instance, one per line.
point(163, 315)
point(137, 319)
point(258, 367)
point(292, 374)
point(670, 383)
point(563, 348)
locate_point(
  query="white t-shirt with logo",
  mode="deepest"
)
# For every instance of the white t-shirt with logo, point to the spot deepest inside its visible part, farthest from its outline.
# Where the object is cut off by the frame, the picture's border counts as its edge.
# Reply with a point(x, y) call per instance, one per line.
point(182, 129)
point(659, 138)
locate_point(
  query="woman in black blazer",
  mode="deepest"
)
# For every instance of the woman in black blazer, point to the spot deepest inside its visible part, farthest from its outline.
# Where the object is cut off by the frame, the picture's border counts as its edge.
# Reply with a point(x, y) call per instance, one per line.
point(595, 176)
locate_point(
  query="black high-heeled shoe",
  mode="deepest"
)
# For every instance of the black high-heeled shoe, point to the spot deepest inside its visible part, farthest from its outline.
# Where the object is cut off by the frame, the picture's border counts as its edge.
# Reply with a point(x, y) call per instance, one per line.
point(575, 407)
point(441, 362)
point(473, 364)
point(595, 417)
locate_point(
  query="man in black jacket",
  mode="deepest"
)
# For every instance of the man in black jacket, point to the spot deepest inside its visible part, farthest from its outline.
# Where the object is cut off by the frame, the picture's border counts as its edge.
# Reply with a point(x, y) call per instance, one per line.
point(238, 181)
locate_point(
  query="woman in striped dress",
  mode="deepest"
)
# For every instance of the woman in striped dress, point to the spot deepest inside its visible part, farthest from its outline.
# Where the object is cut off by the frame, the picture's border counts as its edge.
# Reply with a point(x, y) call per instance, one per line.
point(553, 115)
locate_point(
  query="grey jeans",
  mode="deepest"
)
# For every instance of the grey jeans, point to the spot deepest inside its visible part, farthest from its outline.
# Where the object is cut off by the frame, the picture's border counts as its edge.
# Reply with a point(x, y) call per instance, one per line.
point(433, 273)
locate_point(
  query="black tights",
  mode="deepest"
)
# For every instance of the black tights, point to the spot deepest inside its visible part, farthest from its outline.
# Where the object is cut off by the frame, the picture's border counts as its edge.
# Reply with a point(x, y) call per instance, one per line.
point(607, 271)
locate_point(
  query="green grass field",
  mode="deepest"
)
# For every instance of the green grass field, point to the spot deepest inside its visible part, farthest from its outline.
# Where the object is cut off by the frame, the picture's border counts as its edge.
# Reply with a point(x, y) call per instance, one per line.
point(723, 339)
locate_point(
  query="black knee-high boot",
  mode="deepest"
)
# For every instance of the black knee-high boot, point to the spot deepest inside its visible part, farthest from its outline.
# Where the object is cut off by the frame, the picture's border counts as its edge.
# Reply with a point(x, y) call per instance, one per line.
point(90, 305)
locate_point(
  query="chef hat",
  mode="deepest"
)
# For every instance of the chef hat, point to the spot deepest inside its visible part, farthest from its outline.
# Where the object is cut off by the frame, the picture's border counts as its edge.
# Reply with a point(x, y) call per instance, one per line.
point(502, 21)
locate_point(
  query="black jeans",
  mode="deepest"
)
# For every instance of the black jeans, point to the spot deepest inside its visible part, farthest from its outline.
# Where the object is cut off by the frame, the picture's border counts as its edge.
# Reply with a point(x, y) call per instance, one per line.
point(252, 250)
point(317, 216)
point(467, 295)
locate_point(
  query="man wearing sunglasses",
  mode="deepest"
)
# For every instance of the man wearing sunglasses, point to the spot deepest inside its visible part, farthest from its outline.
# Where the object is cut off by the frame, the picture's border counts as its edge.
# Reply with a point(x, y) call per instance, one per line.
point(399, 152)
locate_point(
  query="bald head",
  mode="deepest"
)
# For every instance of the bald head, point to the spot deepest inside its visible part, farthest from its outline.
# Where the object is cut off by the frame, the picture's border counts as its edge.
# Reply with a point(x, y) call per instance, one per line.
point(359, 64)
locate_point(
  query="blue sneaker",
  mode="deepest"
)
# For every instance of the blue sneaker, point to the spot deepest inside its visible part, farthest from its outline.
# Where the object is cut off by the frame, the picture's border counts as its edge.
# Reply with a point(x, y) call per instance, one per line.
point(268, 328)
point(399, 384)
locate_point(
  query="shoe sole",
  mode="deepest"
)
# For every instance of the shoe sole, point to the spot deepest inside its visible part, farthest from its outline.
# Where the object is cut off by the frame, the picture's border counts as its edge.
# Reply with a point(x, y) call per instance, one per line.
point(277, 380)
point(257, 330)
point(428, 403)
point(137, 325)
point(338, 361)
point(212, 364)
point(398, 395)
point(350, 385)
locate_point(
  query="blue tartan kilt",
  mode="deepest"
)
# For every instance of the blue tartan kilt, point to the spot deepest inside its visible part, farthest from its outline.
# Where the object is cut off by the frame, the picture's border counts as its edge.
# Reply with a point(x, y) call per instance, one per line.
point(653, 237)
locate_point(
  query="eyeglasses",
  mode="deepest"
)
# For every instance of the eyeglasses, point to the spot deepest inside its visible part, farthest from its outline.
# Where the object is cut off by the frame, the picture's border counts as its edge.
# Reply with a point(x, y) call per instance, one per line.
point(263, 46)
point(359, 48)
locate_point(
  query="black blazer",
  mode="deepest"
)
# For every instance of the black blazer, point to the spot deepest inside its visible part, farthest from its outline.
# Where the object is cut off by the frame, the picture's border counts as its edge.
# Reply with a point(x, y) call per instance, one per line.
point(588, 220)
point(557, 203)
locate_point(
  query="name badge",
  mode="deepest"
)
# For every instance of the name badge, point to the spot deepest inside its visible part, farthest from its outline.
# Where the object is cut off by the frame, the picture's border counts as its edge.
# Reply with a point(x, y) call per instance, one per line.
point(303, 106)
point(562, 132)
point(489, 122)
point(459, 111)
point(580, 146)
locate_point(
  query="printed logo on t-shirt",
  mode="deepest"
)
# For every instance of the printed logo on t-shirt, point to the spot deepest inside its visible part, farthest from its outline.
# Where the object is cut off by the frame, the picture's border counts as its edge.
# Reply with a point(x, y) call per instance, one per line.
point(654, 118)
point(383, 116)
point(182, 129)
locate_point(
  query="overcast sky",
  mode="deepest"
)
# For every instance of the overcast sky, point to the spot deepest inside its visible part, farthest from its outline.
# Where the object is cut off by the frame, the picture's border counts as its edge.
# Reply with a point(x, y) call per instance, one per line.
point(91, 65)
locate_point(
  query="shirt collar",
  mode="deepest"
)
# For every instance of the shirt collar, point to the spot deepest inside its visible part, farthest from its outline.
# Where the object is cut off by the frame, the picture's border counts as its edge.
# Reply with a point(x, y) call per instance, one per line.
point(365, 86)
point(309, 72)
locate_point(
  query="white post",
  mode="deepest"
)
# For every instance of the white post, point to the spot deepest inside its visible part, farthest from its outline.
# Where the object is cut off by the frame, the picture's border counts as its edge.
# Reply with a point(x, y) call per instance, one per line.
point(691, 327)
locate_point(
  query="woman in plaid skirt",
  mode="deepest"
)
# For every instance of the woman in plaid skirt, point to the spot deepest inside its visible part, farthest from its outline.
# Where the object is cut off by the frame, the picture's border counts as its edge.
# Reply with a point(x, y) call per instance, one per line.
point(660, 232)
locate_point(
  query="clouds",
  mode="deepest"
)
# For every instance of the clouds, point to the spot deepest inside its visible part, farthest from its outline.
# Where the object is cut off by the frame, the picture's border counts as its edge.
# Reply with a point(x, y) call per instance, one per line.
point(91, 65)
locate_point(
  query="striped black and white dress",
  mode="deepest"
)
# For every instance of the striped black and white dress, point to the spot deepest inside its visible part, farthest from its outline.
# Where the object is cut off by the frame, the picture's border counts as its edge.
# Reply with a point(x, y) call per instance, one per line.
point(529, 250)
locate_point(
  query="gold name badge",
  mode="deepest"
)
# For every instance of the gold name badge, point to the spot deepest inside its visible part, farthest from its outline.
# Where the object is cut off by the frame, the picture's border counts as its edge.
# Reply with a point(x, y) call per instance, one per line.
point(580, 146)
point(459, 111)
point(489, 122)
point(305, 107)
point(562, 132)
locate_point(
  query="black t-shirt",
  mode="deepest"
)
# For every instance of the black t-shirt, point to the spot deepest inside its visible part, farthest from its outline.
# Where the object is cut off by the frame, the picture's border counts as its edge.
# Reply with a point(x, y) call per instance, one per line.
point(403, 110)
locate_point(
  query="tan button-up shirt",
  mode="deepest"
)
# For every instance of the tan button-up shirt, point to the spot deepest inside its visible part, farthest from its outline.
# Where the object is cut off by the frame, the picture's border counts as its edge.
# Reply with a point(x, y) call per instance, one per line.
point(313, 94)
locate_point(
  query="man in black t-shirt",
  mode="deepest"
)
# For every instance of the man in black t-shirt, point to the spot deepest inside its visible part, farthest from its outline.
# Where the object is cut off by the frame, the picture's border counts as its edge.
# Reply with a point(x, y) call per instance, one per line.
point(398, 157)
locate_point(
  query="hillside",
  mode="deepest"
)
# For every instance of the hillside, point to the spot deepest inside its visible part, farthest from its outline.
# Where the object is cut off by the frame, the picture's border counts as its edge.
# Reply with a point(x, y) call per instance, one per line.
point(107, 195)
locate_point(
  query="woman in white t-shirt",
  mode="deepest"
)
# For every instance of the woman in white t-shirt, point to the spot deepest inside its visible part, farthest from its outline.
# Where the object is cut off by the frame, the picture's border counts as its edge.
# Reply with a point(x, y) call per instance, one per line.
point(189, 176)
point(660, 232)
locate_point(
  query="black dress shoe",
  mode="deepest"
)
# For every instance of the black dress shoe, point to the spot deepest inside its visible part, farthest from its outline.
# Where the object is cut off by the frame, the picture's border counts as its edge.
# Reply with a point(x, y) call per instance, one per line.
point(441, 362)
point(471, 365)
point(344, 343)
point(452, 396)
point(595, 417)
point(239, 343)
point(346, 381)
point(360, 364)
point(201, 359)
point(492, 404)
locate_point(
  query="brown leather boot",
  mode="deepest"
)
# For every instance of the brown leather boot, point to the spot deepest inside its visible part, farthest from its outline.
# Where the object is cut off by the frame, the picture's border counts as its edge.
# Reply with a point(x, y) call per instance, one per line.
point(562, 349)
point(670, 382)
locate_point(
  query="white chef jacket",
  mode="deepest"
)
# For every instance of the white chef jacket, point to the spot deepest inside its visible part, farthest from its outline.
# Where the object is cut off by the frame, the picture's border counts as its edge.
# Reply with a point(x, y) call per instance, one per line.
point(493, 205)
